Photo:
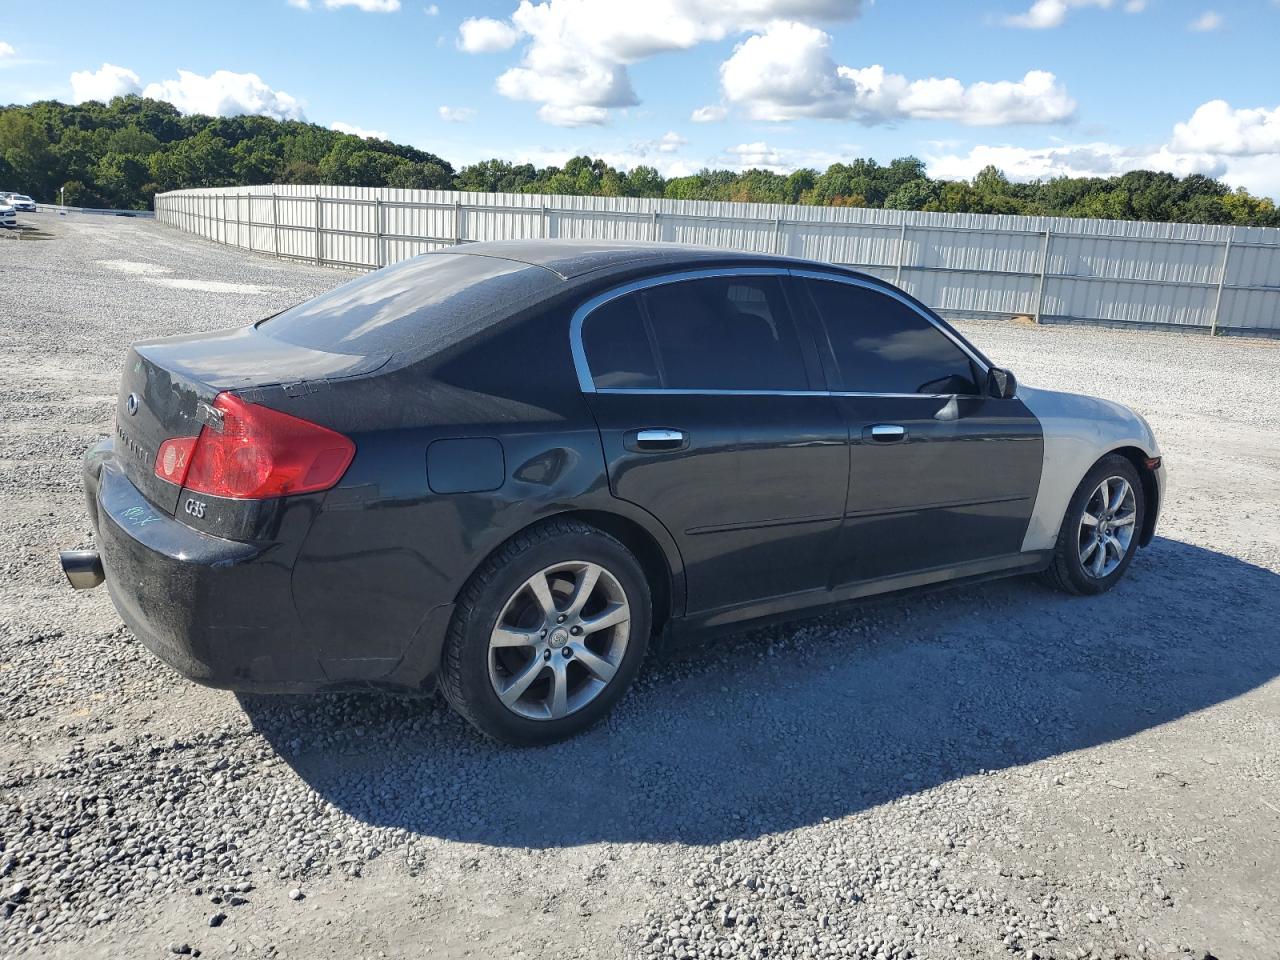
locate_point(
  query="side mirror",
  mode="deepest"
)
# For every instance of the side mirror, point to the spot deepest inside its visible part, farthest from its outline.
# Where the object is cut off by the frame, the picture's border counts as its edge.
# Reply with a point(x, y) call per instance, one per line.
point(1001, 383)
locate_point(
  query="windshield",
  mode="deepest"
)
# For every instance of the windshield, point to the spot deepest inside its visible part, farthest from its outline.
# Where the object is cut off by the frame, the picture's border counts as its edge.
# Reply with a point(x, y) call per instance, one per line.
point(421, 305)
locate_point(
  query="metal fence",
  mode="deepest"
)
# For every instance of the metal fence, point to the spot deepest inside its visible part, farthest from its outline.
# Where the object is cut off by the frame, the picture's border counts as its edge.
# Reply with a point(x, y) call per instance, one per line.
point(1209, 278)
point(104, 211)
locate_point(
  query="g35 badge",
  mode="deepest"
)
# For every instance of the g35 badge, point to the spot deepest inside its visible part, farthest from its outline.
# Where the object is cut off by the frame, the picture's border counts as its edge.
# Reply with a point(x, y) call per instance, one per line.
point(194, 508)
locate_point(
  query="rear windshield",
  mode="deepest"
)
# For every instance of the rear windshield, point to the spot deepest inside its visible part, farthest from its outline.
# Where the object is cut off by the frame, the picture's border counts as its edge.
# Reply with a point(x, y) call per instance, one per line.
point(419, 306)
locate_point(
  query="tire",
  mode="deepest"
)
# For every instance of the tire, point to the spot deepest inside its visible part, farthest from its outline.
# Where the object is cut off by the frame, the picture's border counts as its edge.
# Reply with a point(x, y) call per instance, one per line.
point(585, 667)
point(1077, 567)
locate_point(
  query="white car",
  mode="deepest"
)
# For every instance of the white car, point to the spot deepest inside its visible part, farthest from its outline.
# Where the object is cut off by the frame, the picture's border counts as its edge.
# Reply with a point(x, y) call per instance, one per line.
point(20, 201)
point(8, 215)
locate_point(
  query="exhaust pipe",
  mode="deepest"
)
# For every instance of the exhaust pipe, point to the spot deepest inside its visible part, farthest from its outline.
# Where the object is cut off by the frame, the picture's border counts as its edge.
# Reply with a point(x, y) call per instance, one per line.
point(82, 567)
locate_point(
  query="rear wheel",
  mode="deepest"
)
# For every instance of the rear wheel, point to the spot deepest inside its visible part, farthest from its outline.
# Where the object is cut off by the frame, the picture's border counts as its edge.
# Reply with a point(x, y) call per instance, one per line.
point(548, 634)
point(1099, 534)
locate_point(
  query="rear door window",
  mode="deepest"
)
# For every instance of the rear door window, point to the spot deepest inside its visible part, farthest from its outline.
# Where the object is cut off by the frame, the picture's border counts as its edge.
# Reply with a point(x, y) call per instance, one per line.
point(882, 345)
point(718, 333)
point(617, 346)
point(725, 333)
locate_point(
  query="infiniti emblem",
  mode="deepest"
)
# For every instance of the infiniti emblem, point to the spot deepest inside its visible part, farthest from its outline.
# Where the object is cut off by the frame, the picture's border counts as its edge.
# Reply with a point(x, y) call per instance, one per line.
point(131, 404)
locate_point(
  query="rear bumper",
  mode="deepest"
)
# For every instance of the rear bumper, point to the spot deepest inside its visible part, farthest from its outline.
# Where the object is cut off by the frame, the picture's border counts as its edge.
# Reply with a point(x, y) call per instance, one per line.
point(221, 612)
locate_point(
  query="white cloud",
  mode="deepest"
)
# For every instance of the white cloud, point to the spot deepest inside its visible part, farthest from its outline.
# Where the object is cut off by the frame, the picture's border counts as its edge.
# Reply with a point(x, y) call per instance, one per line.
point(300, 4)
point(757, 154)
point(7, 50)
point(668, 144)
point(709, 114)
point(223, 94)
point(762, 155)
point(1239, 146)
point(431, 10)
point(486, 35)
point(575, 62)
point(1071, 160)
point(104, 83)
point(1047, 14)
point(1259, 175)
point(358, 131)
point(671, 142)
point(457, 114)
point(786, 73)
point(1217, 128)
point(575, 115)
point(1206, 22)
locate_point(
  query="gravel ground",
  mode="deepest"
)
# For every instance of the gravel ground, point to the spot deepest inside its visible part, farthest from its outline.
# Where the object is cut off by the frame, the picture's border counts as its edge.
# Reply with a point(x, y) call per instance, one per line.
point(994, 772)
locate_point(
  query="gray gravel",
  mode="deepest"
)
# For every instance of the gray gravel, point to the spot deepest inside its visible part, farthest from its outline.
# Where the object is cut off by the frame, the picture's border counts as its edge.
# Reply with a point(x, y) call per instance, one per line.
point(993, 772)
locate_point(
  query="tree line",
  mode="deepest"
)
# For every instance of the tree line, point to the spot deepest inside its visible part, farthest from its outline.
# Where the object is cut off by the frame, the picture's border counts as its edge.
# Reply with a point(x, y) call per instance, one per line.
point(123, 153)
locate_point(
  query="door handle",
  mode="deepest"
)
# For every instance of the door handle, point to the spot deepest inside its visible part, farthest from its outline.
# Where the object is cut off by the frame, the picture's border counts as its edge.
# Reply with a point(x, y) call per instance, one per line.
point(885, 433)
point(656, 440)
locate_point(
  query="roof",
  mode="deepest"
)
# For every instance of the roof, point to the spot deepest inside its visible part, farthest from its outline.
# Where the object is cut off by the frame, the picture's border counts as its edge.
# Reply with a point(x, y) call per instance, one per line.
point(569, 259)
point(433, 302)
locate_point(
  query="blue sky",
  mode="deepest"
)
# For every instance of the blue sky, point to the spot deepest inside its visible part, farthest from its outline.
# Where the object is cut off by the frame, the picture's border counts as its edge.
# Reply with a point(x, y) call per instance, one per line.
point(1036, 86)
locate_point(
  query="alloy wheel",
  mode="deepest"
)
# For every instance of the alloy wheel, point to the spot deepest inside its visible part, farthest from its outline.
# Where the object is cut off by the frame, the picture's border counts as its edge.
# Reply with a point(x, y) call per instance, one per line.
point(1107, 527)
point(559, 640)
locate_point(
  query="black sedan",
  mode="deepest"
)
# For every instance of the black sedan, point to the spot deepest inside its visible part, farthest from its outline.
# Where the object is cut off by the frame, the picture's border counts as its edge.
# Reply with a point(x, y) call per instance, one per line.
point(503, 468)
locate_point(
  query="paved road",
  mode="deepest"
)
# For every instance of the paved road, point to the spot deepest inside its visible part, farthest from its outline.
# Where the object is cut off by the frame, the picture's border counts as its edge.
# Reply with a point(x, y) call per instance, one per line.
point(991, 772)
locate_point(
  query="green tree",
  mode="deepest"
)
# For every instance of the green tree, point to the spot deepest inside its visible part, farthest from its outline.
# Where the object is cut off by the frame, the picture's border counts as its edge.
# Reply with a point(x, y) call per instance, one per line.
point(692, 187)
point(914, 195)
point(799, 183)
point(419, 176)
point(133, 141)
point(201, 161)
point(300, 171)
point(119, 178)
point(644, 181)
point(495, 176)
point(26, 150)
point(257, 160)
point(612, 184)
point(1244, 208)
point(351, 163)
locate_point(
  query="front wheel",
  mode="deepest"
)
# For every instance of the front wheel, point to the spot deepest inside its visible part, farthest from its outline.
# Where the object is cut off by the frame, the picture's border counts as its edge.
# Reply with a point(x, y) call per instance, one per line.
point(548, 634)
point(1099, 534)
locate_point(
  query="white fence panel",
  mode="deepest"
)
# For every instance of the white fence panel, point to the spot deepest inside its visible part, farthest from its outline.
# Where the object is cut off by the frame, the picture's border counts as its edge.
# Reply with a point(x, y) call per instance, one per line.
point(1204, 277)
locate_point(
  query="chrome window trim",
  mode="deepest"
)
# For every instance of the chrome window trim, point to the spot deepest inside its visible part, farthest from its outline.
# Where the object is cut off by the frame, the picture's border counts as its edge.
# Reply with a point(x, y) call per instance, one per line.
point(587, 384)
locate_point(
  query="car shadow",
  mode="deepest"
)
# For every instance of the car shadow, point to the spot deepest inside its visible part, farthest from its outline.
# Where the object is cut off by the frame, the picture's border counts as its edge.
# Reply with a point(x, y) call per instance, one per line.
point(778, 728)
point(27, 231)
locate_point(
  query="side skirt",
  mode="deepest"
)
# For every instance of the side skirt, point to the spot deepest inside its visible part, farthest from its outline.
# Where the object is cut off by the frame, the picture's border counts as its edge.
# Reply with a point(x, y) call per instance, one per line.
point(812, 603)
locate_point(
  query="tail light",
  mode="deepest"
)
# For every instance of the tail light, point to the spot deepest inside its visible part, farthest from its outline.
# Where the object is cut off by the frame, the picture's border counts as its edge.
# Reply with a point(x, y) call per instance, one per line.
point(174, 459)
point(259, 453)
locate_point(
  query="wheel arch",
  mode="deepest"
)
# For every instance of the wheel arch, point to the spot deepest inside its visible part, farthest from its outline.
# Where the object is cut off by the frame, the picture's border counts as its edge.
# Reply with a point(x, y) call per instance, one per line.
point(1078, 432)
point(647, 550)
point(663, 573)
point(1150, 489)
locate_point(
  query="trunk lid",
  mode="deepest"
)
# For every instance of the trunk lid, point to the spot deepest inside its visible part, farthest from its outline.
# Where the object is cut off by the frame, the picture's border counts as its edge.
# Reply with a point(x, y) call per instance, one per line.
point(167, 388)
